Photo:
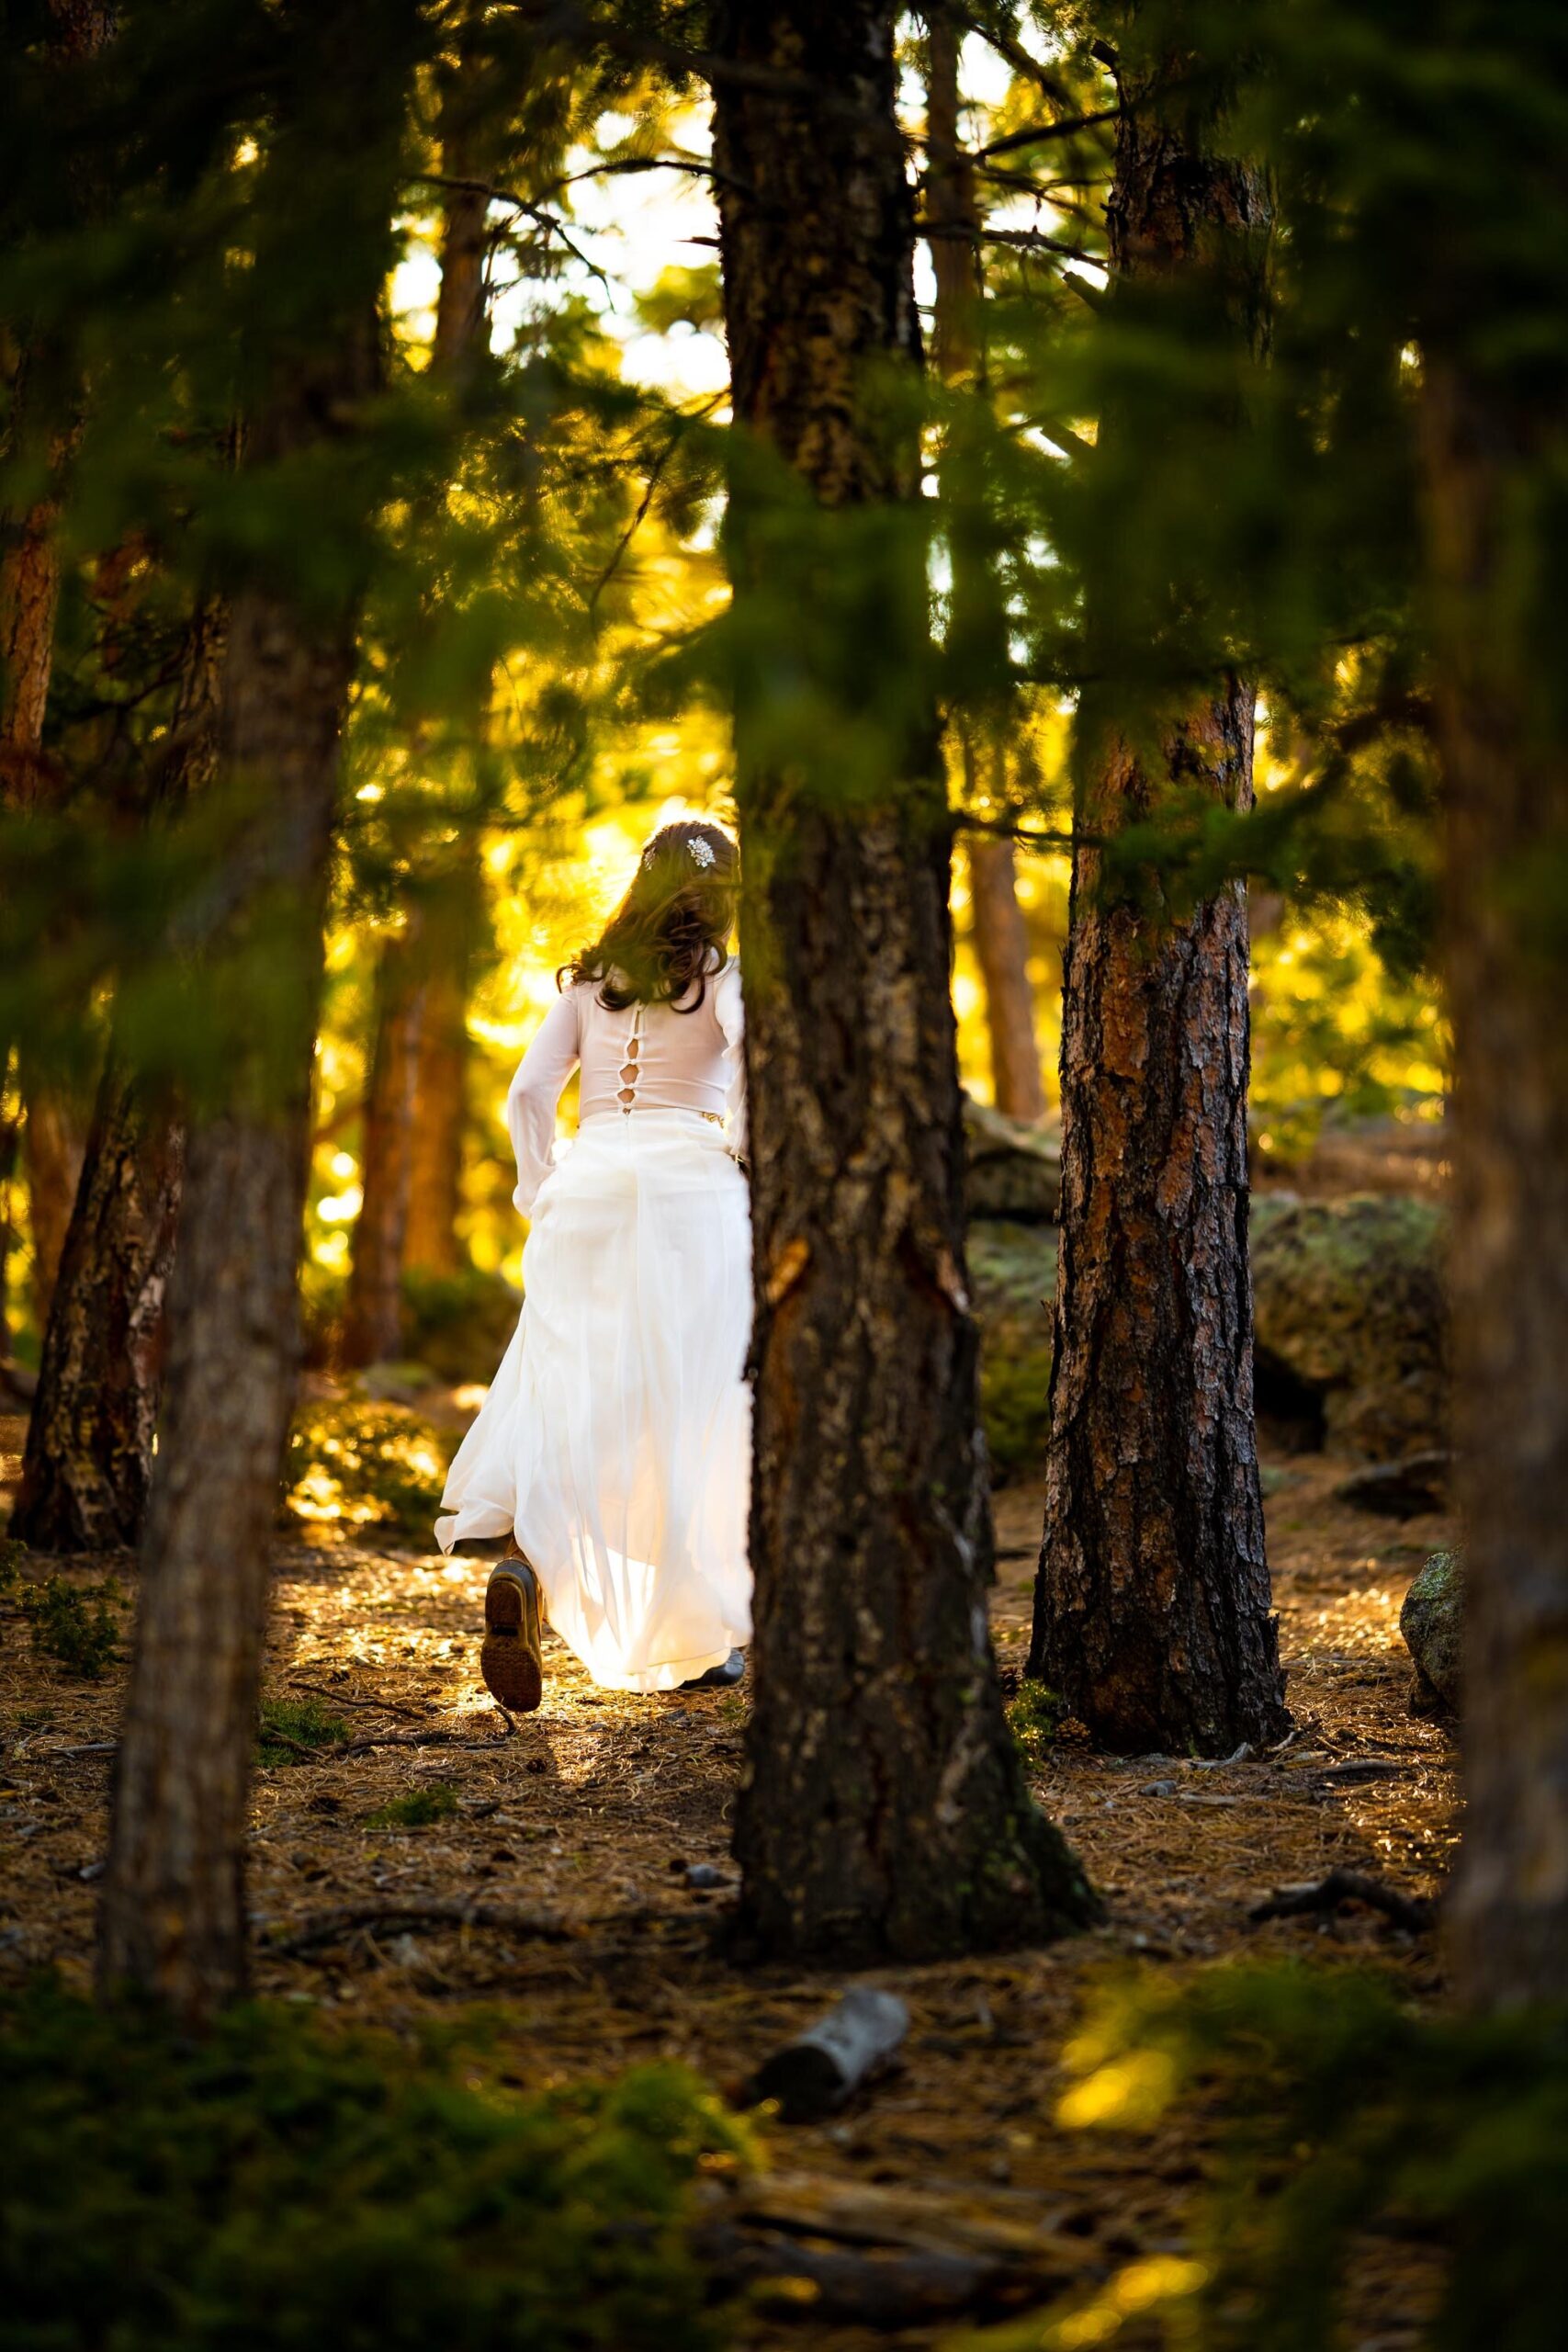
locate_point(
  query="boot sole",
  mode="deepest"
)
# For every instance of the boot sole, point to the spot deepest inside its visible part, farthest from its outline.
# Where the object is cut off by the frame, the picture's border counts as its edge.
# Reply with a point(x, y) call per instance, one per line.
point(510, 1660)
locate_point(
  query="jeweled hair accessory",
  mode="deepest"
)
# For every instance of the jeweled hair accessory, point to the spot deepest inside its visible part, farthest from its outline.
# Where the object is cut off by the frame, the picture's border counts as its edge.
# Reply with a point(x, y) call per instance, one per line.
point(701, 850)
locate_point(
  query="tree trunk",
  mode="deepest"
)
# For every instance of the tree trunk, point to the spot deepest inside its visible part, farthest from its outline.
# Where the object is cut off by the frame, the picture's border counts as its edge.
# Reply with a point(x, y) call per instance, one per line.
point(54, 1147)
point(412, 1163)
point(29, 595)
point(1001, 949)
point(1507, 796)
point(173, 1920)
point(884, 1813)
point(373, 1326)
point(89, 1453)
point(1152, 1606)
point(52, 1139)
point(1001, 942)
point(441, 1096)
point(10, 1129)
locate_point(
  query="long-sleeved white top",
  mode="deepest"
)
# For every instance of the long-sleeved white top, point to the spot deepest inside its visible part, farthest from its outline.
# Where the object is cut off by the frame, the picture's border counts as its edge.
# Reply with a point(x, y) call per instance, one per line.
point(649, 1057)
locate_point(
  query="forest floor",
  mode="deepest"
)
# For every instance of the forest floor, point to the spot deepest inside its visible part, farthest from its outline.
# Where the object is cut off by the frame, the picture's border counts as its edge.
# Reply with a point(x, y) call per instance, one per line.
point(595, 1809)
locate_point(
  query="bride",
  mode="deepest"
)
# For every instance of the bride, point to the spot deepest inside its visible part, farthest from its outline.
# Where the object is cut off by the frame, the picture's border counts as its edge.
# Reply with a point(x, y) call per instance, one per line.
point(614, 1445)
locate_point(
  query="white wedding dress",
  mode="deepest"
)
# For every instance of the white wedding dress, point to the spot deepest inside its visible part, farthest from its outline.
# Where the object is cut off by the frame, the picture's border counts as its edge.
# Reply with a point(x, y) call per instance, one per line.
point(615, 1441)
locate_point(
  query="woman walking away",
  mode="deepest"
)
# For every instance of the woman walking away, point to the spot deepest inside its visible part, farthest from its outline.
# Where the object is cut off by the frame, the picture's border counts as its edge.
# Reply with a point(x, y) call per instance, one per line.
point(615, 1443)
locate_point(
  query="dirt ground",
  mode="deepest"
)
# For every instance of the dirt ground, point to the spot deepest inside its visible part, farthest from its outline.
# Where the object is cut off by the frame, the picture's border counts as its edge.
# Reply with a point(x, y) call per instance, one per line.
point(596, 1809)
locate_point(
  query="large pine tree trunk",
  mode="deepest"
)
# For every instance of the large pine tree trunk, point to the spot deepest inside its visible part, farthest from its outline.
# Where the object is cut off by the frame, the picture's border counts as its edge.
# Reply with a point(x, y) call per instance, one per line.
point(1001, 942)
point(173, 1916)
point(1152, 1606)
point(173, 1920)
point(1507, 980)
point(884, 1812)
point(89, 1453)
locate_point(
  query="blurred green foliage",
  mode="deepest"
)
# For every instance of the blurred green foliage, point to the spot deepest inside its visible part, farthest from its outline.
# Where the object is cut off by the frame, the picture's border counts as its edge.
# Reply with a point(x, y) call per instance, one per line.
point(1339, 2116)
point(365, 1465)
point(273, 2184)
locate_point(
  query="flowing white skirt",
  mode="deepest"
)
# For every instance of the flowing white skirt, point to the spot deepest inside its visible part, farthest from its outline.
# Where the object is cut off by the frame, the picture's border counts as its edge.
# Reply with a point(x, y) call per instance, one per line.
point(617, 1439)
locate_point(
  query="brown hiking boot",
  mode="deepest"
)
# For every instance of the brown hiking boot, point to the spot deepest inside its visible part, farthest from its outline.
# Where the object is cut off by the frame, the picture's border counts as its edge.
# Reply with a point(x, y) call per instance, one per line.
point(510, 1661)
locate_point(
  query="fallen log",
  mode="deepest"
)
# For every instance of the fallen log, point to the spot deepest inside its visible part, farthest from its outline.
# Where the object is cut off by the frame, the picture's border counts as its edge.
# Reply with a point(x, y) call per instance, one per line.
point(856, 2040)
point(813, 2249)
point(330, 1926)
point(1412, 1912)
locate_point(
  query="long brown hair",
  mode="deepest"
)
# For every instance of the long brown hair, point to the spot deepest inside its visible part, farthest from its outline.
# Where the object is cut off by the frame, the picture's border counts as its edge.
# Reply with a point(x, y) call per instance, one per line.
point(671, 931)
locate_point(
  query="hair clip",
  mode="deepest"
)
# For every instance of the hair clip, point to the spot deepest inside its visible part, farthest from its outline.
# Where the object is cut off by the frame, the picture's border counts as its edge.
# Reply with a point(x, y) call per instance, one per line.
point(701, 850)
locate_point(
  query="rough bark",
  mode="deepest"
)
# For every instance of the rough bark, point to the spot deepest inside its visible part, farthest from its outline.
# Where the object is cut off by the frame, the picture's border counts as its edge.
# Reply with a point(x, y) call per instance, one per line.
point(373, 1325)
point(1507, 781)
point(1152, 1606)
point(89, 1453)
point(173, 1920)
point(1000, 940)
point(29, 596)
point(884, 1813)
point(173, 1913)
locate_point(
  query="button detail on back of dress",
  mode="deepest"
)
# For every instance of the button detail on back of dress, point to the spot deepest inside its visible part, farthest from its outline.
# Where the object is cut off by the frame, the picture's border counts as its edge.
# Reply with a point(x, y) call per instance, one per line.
point(627, 1094)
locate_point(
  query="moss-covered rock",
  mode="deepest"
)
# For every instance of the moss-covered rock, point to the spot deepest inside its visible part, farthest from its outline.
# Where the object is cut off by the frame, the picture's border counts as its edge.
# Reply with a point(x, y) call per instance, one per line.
point(1012, 1275)
point(1432, 1622)
point(1013, 1171)
point(1350, 1317)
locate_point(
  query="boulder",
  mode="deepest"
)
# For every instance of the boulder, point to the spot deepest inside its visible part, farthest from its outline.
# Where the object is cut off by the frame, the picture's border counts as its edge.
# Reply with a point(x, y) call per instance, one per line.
point(1012, 1280)
point(1014, 1170)
point(1432, 1624)
point(1350, 1319)
point(1404, 1489)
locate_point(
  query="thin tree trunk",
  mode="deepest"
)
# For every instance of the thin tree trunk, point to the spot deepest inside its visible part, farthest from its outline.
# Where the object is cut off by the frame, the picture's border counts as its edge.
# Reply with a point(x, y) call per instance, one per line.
point(53, 1148)
point(1001, 942)
point(440, 1094)
point(45, 412)
point(88, 1463)
point(413, 1159)
point(1001, 949)
point(1507, 795)
point(1152, 1606)
point(173, 1920)
point(89, 1452)
point(29, 598)
point(884, 1813)
point(373, 1325)
point(10, 1129)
